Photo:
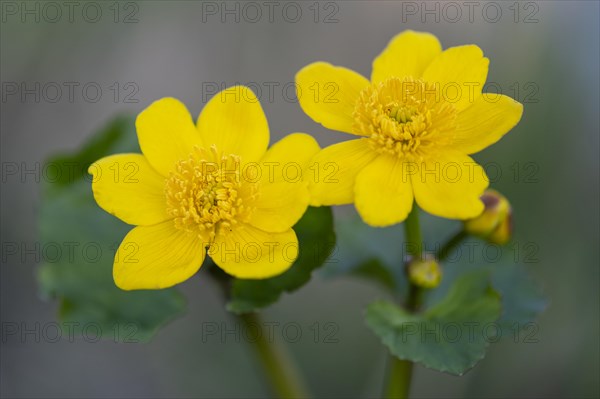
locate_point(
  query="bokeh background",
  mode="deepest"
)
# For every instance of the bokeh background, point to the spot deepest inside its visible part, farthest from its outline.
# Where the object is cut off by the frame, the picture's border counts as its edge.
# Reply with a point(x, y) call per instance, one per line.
point(543, 53)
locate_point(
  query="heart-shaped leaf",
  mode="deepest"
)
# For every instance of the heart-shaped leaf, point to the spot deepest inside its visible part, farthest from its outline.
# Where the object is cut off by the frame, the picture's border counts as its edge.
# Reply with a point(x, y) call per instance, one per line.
point(452, 336)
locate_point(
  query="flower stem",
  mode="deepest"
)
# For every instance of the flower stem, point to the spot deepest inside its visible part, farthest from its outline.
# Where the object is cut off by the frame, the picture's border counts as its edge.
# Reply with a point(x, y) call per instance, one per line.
point(401, 370)
point(451, 244)
point(283, 376)
point(412, 229)
point(400, 378)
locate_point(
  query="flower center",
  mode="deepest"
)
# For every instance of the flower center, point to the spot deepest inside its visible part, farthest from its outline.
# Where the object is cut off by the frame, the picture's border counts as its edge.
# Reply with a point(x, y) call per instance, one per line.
point(403, 117)
point(206, 195)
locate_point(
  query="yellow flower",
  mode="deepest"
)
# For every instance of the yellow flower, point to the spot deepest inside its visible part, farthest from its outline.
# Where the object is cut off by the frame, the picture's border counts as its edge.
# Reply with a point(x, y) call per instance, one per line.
point(210, 186)
point(417, 121)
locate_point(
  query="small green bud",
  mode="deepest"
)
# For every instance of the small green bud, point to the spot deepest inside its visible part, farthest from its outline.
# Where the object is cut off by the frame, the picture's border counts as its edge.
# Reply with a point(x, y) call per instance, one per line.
point(425, 273)
point(495, 223)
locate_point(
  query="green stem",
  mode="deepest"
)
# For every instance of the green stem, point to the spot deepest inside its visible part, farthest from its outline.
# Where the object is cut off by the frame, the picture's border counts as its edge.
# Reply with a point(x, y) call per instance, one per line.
point(401, 370)
point(451, 244)
point(283, 376)
point(412, 229)
point(400, 378)
point(414, 245)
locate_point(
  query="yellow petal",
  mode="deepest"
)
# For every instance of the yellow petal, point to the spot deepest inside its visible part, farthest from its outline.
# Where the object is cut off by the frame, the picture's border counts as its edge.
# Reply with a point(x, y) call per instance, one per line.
point(449, 185)
point(459, 74)
point(328, 94)
point(283, 193)
point(407, 54)
point(332, 172)
point(298, 148)
point(166, 134)
point(383, 192)
point(155, 257)
point(235, 122)
point(125, 185)
point(485, 122)
point(250, 253)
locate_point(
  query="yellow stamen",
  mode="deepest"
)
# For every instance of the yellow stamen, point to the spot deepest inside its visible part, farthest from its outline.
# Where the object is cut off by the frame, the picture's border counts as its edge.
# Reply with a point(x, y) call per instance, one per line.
point(404, 117)
point(206, 195)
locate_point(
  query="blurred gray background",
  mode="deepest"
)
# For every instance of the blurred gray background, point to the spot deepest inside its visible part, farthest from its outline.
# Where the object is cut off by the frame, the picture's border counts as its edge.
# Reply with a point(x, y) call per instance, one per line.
point(543, 53)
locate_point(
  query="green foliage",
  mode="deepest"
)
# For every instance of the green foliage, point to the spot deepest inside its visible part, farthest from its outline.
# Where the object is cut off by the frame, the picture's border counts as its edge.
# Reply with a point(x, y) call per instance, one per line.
point(118, 136)
point(81, 277)
point(476, 304)
point(316, 239)
point(522, 299)
point(370, 253)
point(512, 299)
point(451, 336)
point(376, 271)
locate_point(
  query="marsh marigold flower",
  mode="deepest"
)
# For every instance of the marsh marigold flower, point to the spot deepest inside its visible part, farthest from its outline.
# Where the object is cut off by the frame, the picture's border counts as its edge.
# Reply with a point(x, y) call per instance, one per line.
point(210, 186)
point(417, 121)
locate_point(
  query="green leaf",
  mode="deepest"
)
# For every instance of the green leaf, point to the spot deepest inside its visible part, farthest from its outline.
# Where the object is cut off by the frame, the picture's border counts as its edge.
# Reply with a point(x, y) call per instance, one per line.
point(452, 336)
point(316, 239)
point(522, 298)
point(371, 253)
point(80, 240)
point(66, 169)
point(374, 270)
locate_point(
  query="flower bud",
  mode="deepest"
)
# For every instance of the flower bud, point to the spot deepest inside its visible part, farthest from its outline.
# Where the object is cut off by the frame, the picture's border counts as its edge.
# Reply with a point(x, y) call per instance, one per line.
point(495, 222)
point(503, 233)
point(425, 273)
